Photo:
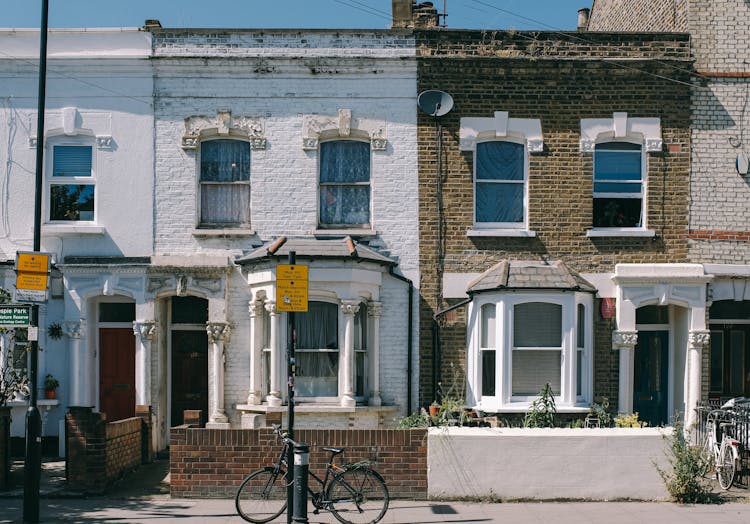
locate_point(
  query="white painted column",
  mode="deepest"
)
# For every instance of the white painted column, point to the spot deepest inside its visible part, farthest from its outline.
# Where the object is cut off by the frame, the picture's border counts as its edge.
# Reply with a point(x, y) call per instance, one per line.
point(256, 351)
point(374, 311)
point(274, 395)
point(346, 389)
point(218, 335)
point(697, 340)
point(79, 376)
point(625, 342)
point(144, 331)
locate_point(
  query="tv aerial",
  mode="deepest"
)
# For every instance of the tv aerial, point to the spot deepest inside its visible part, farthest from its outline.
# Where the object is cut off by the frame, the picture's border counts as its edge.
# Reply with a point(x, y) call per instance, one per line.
point(434, 102)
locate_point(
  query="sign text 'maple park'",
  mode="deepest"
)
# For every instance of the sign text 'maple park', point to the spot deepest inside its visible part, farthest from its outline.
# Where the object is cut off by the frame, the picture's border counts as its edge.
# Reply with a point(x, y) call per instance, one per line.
point(291, 288)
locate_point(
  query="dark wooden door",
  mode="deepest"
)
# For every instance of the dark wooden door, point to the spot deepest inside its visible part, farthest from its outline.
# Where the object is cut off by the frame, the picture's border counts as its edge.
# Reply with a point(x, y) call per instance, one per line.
point(650, 388)
point(189, 373)
point(117, 373)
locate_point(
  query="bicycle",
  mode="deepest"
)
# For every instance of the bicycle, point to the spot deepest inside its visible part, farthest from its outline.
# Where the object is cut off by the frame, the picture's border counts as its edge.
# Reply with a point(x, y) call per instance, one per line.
point(353, 493)
point(721, 453)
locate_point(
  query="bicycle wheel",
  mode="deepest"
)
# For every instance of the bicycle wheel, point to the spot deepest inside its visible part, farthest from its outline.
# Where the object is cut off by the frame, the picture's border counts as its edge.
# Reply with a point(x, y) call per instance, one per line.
point(707, 451)
point(726, 468)
point(358, 496)
point(261, 496)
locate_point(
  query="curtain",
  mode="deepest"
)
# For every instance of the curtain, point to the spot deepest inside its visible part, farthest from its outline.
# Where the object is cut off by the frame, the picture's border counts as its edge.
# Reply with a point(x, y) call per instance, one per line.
point(532, 369)
point(345, 182)
point(225, 173)
point(499, 182)
point(317, 355)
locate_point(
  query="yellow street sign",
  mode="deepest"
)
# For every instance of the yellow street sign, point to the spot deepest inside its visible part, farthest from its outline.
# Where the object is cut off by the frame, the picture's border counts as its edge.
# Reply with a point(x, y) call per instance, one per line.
point(34, 281)
point(291, 288)
point(32, 262)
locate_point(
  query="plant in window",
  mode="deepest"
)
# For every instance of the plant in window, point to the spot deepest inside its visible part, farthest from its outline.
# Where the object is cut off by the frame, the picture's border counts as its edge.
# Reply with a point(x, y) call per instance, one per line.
point(542, 412)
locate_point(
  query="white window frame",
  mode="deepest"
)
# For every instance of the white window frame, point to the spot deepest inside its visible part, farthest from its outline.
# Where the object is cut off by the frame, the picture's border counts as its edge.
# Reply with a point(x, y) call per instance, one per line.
point(203, 224)
point(523, 224)
point(642, 195)
point(339, 226)
point(504, 302)
point(51, 180)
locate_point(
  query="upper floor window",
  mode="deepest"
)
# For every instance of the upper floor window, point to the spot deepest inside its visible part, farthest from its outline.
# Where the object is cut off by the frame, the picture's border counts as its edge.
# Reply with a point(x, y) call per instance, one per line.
point(500, 184)
point(618, 185)
point(345, 184)
point(72, 185)
point(225, 183)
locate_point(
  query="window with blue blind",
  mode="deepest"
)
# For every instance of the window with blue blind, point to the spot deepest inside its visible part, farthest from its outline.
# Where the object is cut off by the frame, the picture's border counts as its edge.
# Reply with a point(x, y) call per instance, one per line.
point(345, 184)
point(72, 190)
point(618, 185)
point(500, 184)
point(225, 183)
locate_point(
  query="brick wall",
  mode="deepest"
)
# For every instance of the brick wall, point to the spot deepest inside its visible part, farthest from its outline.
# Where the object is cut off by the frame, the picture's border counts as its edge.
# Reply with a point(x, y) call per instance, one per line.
point(98, 453)
point(560, 80)
point(638, 15)
point(212, 463)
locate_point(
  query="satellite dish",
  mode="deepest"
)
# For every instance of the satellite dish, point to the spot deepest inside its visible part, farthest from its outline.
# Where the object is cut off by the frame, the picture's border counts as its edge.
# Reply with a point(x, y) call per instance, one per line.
point(434, 102)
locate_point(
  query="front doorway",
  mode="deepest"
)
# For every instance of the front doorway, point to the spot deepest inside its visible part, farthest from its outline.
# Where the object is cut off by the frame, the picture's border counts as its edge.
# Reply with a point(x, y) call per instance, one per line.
point(651, 377)
point(117, 373)
point(730, 349)
point(189, 358)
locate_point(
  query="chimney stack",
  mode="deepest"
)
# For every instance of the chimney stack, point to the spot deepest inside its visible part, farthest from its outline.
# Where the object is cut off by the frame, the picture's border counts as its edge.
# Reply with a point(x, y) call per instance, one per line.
point(408, 13)
point(402, 13)
point(583, 19)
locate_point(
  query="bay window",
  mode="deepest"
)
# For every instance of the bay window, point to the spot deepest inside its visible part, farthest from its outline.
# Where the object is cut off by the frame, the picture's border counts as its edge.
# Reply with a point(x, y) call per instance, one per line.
point(317, 350)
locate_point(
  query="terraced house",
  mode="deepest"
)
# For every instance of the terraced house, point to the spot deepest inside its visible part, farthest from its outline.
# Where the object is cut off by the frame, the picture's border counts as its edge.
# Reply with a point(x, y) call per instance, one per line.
point(719, 213)
point(554, 234)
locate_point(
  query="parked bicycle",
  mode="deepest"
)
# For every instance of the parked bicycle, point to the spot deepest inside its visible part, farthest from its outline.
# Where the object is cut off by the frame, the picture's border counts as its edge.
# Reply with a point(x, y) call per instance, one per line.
point(353, 493)
point(721, 449)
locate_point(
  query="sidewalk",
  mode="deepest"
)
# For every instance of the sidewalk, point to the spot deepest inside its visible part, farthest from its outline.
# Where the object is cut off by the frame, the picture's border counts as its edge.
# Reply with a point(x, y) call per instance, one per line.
point(143, 497)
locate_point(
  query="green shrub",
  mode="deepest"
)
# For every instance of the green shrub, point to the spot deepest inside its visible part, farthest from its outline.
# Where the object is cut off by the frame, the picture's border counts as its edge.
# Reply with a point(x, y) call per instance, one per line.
point(600, 411)
point(623, 420)
point(542, 412)
point(419, 419)
point(684, 483)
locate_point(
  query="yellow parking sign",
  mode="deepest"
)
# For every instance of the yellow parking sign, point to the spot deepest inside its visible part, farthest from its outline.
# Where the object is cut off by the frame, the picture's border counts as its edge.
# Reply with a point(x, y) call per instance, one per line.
point(291, 287)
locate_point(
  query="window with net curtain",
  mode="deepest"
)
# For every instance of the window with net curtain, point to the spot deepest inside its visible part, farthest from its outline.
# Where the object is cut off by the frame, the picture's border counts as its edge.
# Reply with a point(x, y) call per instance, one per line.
point(317, 350)
point(618, 185)
point(488, 350)
point(499, 184)
point(537, 348)
point(225, 183)
point(345, 184)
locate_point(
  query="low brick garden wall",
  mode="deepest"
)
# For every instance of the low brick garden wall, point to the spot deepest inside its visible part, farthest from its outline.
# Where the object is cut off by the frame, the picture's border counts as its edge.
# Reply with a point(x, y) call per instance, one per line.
point(98, 453)
point(208, 463)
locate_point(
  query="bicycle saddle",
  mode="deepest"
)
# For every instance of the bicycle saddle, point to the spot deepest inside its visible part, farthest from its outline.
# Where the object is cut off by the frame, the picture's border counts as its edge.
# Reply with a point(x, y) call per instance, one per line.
point(335, 451)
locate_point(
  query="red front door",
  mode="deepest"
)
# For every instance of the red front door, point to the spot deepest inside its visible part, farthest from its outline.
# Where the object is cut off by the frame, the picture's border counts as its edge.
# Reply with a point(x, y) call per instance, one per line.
point(117, 373)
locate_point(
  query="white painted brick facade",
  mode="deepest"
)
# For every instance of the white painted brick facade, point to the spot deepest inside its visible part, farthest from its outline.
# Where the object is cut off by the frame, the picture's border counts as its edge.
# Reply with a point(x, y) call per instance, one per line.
point(279, 76)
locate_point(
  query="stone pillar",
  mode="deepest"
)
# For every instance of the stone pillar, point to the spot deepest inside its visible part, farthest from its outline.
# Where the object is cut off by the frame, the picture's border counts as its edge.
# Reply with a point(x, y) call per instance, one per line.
point(274, 396)
point(144, 332)
point(625, 342)
point(79, 369)
point(346, 390)
point(374, 311)
point(256, 351)
point(697, 340)
point(218, 335)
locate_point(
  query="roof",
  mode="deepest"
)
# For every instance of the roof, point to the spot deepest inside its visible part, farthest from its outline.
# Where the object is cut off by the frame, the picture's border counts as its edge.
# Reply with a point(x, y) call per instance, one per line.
point(315, 248)
point(529, 274)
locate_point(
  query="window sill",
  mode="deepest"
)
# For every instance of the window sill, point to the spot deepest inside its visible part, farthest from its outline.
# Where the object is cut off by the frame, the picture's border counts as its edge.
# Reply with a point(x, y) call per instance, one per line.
point(620, 232)
point(353, 232)
point(304, 407)
point(520, 233)
point(64, 229)
point(42, 402)
point(523, 407)
point(223, 233)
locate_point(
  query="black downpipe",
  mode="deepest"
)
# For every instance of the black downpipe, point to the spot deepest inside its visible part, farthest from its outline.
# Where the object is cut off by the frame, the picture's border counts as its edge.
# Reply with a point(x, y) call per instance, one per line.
point(409, 345)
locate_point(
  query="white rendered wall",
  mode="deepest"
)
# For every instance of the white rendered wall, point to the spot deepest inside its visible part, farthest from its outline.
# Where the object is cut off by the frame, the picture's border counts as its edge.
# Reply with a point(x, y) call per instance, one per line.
point(590, 464)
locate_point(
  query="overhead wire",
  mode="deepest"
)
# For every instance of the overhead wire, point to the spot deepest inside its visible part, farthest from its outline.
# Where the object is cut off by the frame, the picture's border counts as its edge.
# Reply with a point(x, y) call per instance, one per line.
point(360, 6)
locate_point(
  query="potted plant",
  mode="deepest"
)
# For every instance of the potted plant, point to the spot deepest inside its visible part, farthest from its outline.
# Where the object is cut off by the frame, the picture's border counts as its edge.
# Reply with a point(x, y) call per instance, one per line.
point(50, 385)
point(434, 408)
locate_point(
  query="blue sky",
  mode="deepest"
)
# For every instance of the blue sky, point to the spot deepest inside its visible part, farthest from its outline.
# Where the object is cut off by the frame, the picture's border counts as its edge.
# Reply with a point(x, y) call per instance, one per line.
point(462, 14)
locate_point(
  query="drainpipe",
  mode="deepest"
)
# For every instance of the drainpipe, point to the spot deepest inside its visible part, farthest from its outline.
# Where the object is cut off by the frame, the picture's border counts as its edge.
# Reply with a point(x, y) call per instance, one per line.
point(409, 346)
point(436, 347)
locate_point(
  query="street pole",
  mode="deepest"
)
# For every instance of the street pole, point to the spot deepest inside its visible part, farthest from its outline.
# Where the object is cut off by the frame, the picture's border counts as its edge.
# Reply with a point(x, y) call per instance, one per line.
point(291, 370)
point(33, 461)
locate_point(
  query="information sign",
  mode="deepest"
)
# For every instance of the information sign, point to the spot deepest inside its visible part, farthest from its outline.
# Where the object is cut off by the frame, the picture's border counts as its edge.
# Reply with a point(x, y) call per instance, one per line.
point(14, 315)
point(291, 288)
